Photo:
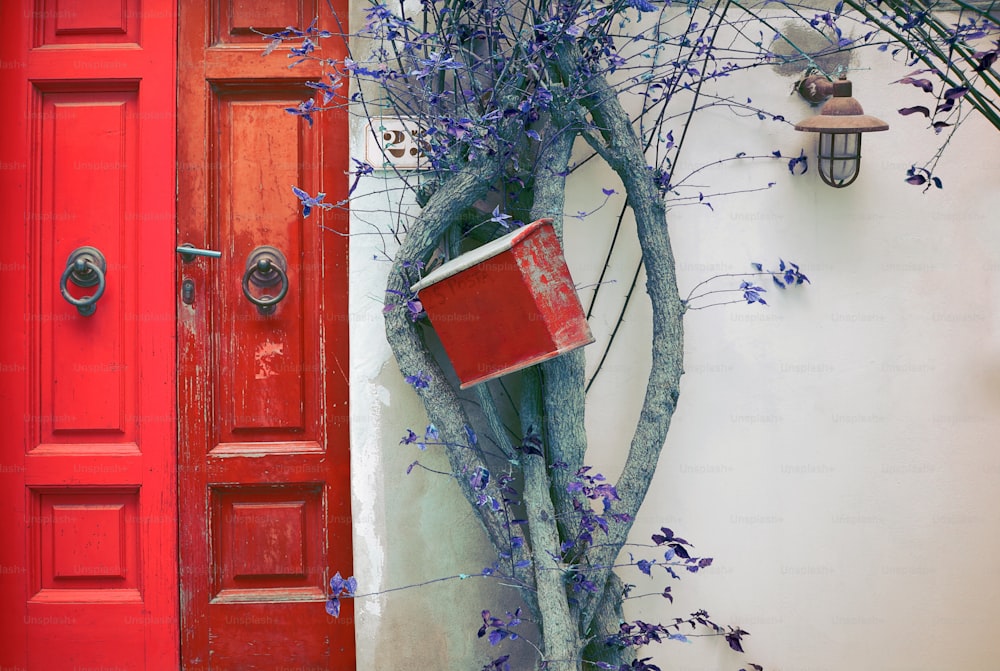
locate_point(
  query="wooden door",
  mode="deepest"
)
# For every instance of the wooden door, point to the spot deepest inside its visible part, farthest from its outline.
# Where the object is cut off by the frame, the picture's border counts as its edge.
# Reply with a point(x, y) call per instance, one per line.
point(88, 506)
point(264, 489)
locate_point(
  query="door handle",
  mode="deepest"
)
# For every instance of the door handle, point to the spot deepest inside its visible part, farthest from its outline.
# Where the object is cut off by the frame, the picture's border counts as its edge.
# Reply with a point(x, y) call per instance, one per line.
point(189, 252)
point(85, 267)
point(266, 267)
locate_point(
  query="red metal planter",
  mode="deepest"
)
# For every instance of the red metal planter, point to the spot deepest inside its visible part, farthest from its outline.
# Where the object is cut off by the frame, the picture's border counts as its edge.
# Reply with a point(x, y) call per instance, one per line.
point(506, 305)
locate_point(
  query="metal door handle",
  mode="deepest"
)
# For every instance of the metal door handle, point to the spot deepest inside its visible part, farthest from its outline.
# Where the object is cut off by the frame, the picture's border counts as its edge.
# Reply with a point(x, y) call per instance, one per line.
point(266, 268)
point(85, 267)
point(188, 252)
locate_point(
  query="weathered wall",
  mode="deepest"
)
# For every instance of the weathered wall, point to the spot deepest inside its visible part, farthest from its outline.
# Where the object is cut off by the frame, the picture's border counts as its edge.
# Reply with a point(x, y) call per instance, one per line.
point(834, 451)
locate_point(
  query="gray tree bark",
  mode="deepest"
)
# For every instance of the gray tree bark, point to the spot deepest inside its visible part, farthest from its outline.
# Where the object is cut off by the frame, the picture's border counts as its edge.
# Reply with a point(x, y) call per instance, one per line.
point(573, 628)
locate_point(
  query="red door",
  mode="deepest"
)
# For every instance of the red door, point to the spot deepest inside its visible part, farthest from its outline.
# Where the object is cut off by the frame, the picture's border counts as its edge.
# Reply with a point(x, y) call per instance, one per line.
point(264, 490)
point(88, 574)
point(116, 536)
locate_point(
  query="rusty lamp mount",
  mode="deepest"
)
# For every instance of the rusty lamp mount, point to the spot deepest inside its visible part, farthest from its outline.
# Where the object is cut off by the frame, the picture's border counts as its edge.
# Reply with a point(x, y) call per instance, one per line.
point(840, 123)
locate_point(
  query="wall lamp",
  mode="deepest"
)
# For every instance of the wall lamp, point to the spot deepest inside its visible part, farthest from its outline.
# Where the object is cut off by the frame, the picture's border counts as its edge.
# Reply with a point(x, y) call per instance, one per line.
point(840, 123)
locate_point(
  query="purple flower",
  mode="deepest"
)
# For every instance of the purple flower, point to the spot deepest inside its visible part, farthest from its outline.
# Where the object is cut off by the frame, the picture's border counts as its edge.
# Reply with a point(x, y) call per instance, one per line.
point(436, 61)
point(641, 5)
point(309, 202)
point(752, 293)
point(330, 89)
point(304, 110)
point(500, 218)
point(480, 479)
point(419, 381)
point(339, 587)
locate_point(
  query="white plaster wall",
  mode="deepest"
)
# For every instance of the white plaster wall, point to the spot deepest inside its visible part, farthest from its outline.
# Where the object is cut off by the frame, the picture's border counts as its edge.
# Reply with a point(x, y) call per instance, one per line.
point(408, 529)
point(835, 452)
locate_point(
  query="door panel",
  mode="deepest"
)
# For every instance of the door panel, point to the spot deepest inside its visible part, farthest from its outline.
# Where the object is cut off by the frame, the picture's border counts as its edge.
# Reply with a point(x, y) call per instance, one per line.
point(264, 489)
point(268, 387)
point(85, 153)
point(87, 459)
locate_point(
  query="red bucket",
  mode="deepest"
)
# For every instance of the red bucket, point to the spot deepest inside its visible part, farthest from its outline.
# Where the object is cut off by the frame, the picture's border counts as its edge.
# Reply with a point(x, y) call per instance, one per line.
point(506, 305)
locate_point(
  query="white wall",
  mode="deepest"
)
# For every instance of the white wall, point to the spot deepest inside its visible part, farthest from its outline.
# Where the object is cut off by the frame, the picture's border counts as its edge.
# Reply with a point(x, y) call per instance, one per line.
point(835, 452)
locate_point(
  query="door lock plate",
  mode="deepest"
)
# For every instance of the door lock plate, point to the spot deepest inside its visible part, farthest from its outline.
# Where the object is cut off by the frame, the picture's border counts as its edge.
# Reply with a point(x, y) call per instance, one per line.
point(187, 291)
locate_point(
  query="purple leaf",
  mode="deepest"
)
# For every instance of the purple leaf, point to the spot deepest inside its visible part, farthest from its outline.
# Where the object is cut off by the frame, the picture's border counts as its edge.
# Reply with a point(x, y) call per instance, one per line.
point(946, 106)
point(667, 535)
point(733, 639)
point(987, 60)
point(956, 93)
point(800, 161)
point(924, 84)
point(906, 111)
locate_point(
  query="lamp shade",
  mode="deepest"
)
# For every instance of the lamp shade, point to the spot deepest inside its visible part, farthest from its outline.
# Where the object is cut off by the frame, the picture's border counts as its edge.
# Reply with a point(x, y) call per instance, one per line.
point(840, 123)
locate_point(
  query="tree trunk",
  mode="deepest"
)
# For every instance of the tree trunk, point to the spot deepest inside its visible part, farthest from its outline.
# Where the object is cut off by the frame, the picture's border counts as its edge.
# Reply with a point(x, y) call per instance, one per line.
point(559, 412)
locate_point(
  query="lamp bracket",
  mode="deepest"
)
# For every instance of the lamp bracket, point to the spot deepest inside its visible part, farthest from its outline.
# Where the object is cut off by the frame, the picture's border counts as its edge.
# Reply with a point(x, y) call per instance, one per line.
point(814, 88)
